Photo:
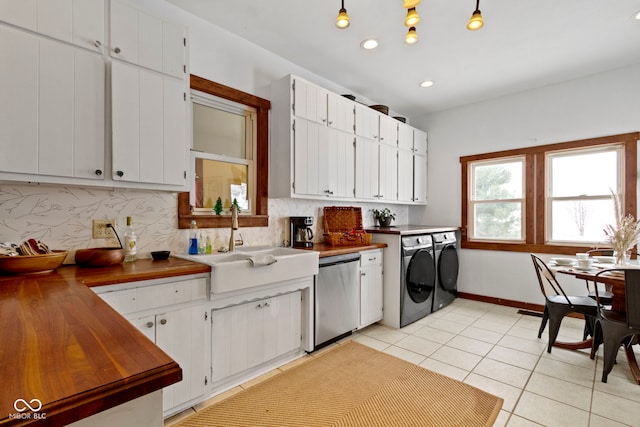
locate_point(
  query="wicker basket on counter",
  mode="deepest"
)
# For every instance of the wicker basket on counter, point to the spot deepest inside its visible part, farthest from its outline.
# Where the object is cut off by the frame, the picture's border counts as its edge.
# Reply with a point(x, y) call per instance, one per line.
point(343, 226)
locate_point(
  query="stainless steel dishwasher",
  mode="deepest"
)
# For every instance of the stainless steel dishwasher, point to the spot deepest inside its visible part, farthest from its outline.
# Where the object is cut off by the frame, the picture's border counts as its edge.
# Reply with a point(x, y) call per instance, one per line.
point(337, 298)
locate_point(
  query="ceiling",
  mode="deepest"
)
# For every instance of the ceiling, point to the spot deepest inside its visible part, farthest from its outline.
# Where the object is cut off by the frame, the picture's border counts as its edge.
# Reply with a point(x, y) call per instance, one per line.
point(521, 46)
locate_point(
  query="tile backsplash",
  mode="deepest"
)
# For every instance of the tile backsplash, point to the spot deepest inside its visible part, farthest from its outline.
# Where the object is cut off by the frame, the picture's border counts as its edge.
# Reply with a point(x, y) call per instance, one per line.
point(61, 217)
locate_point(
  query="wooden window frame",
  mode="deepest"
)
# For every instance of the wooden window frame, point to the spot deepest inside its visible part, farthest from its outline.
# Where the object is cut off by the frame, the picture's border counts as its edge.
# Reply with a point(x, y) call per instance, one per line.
point(535, 200)
point(261, 216)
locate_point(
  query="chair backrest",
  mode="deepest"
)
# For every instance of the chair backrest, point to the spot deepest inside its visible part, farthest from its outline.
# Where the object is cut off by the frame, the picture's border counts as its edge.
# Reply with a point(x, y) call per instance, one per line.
point(549, 286)
point(632, 297)
point(631, 294)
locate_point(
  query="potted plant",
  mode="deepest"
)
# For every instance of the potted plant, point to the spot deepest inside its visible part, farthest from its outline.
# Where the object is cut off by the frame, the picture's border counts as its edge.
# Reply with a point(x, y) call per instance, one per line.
point(624, 234)
point(383, 216)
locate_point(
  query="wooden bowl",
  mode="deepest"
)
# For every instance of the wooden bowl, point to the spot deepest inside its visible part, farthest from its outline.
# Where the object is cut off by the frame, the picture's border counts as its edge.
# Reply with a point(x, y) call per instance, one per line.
point(99, 257)
point(28, 264)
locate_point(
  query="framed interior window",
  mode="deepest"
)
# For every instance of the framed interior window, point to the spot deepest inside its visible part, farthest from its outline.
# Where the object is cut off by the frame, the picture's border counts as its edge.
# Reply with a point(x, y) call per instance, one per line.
point(553, 198)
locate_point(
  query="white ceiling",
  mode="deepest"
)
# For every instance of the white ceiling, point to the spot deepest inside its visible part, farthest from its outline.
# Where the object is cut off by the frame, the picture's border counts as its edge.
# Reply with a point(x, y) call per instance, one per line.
point(524, 44)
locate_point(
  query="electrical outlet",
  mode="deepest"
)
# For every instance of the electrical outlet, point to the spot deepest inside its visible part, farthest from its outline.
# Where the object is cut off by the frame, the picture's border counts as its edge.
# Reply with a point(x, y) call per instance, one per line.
point(100, 229)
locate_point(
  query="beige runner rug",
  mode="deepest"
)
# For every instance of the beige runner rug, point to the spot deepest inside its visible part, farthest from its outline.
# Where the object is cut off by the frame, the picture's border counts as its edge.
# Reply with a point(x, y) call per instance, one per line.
point(353, 385)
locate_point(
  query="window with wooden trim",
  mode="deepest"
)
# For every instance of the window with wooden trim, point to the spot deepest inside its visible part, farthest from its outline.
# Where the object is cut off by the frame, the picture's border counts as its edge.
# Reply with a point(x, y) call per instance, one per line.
point(553, 198)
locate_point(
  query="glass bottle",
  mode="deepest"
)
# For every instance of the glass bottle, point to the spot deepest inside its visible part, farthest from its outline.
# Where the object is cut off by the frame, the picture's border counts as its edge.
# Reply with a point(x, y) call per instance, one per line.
point(209, 247)
point(193, 238)
point(130, 242)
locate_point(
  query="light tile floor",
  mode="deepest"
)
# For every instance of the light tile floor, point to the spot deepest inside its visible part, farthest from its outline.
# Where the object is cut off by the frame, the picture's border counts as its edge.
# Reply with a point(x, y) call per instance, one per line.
point(497, 350)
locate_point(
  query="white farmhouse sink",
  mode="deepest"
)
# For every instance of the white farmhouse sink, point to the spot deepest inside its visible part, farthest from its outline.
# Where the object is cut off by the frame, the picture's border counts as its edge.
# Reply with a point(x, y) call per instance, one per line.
point(234, 271)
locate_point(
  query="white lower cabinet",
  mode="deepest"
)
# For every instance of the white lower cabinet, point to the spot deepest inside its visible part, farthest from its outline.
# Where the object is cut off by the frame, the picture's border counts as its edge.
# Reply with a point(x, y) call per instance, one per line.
point(174, 314)
point(246, 335)
point(370, 287)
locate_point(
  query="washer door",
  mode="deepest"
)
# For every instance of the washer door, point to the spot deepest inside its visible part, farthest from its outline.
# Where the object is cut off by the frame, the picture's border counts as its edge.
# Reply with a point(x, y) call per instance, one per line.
point(448, 268)
point(421, 276)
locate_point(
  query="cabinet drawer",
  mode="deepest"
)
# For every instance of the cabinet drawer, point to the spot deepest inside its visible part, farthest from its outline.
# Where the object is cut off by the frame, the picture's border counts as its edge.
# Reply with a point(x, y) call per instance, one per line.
point(190, 290)
point(123, 301)
point(370, 258)
point(155, 296)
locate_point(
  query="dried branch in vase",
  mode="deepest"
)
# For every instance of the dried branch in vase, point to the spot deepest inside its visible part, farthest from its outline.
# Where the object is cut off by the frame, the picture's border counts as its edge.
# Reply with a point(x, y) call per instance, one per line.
point(624, 235)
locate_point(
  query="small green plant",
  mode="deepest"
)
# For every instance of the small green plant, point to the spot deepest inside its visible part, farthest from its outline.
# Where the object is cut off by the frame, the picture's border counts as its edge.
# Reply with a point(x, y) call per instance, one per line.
point(235, 203)
point(383, 216)
point(218, 206)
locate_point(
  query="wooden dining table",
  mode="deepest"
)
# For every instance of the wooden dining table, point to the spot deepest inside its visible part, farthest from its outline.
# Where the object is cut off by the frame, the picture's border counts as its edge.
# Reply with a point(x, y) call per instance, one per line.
point(615, 284)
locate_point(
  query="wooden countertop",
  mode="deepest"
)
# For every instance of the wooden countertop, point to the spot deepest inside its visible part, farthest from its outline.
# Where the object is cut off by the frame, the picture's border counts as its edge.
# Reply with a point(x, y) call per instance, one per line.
point(408, 229)
point(329, 250)
point(63, 345)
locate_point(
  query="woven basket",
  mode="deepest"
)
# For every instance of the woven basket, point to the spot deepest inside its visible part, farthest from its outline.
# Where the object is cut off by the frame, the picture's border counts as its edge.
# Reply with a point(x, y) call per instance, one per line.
point(343, 226)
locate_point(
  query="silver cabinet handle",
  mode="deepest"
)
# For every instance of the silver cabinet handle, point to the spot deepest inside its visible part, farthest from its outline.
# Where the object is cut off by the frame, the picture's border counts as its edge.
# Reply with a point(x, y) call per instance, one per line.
point(163, 321)
point(120, 173)
point(372, 259)
point(149, 324)
point(97, 44)
point(117, 50)
point(363, 274)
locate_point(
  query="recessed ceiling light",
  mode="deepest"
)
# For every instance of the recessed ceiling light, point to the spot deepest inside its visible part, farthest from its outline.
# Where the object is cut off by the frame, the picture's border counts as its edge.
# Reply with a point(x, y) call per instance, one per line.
point(426, 83)
point(636, 16)
point(369, 44)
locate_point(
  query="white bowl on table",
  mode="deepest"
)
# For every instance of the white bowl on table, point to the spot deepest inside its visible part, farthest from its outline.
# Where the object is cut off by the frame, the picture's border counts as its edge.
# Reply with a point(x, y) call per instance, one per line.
point(564, 261)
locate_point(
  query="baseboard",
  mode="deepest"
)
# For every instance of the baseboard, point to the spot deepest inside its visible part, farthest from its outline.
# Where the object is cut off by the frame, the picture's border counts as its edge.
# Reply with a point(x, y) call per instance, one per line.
point(510, 303)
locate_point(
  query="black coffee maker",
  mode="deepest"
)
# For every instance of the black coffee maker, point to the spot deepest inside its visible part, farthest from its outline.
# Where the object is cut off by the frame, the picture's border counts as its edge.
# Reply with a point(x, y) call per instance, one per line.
point(301, 231)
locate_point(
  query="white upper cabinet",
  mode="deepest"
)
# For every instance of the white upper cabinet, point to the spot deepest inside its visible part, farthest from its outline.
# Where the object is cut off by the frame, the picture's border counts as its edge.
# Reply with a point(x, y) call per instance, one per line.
point(52, 110)
point(366, 122)
point(405, 137)
point(388, 130)
point(309, 101)
point(340, 113)
point(420, 167)
point(149, 142)
point(80, 22)
point(147, 41)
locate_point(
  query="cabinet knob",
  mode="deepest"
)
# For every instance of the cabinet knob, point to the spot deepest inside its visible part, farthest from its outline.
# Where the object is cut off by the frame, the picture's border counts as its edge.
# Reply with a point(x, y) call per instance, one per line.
point(120, 173)
point(363, 274)
point(97, 44)
point(98, 172)
point(330, 122)
point(149, 324)
point(163, 321)
point(372, 259)
point(117, 50)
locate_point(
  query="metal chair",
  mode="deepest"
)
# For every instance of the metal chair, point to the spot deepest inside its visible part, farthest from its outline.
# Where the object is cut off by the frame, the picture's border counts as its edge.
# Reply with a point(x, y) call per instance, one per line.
point(615, 328)
point(605, 296)
point(558, 304)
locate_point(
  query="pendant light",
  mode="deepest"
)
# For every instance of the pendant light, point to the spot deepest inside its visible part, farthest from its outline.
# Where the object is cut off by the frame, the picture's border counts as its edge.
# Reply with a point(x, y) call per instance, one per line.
point(342, 21)
point(411, 3)
point(412, 18)
point(412, 36)
point(475, 23)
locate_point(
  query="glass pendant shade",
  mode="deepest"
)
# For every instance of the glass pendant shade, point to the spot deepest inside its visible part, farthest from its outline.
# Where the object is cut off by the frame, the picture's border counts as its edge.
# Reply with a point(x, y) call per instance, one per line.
point(342, 21)
point(412, 18)
point(475, 23)
point(412, 36)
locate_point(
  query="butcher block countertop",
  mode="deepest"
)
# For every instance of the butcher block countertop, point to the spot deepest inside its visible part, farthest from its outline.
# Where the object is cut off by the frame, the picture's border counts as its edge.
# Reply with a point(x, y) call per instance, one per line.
point(329, 250)
point(62, 345)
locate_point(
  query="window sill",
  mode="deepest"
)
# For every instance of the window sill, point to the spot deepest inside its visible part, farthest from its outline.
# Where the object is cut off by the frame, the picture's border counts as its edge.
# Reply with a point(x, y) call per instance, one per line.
point(520, 247)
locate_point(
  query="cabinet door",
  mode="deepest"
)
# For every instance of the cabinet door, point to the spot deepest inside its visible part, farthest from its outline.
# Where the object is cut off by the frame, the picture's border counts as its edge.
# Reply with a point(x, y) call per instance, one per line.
point(124, 32)
point(388, 130)
point(370, 294)
point(88, 24)
point(366, 122)
point(366, 169)
point(182, 335)
point(19, 101)
point(146, 325)
point(229, 341)
point(175, 146)
point(125, 121)
point(388, 173)
point(277, 328)
point(310, 101)
point(343, 170)
point(405, 175)
point(420, 142)
point(420, 179)
point(340, 113)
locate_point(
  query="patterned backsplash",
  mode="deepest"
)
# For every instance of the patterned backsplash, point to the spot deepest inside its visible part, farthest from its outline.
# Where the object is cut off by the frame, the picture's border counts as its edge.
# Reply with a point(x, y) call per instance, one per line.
point(61, 217)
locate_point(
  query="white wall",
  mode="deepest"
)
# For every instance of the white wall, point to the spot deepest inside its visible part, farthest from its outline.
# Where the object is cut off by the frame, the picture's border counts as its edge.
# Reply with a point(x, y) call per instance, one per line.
point(599, 105)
